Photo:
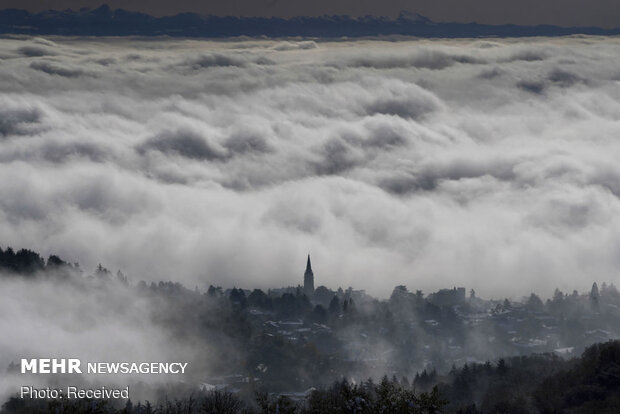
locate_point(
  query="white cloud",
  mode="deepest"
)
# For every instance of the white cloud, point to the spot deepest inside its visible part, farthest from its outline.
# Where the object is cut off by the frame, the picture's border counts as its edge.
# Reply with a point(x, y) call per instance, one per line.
point(489, 164)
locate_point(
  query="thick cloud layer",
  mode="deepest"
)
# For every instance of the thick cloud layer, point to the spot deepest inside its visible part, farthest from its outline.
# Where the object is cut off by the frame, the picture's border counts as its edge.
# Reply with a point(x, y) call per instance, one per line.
point(485, 163)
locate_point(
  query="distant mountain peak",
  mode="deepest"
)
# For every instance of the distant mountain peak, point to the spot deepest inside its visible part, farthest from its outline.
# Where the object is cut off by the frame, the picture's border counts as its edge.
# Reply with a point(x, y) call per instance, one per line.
point(103, 8)
point(413, 17)
point(104, 21)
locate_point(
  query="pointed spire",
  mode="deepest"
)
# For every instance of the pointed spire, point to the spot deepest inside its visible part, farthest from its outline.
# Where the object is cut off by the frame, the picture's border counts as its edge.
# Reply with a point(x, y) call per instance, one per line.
point(308, 279)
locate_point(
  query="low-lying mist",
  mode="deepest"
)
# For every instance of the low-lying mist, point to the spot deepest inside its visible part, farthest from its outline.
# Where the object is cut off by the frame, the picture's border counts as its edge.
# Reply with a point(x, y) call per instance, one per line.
point(95, 322)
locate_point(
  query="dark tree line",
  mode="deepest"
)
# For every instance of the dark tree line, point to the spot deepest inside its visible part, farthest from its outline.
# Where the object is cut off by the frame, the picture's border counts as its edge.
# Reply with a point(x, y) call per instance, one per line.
point(28, 263)
point(522, 385)
point(23, 261)
point(389, 397)
point(543, 384)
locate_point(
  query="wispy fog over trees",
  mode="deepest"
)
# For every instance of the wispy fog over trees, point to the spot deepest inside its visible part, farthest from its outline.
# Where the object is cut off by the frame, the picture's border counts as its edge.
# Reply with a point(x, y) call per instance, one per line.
point(273, 348)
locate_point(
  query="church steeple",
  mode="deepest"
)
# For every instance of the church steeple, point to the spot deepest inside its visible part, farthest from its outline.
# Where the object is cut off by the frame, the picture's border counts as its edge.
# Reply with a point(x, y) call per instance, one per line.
point(309, 279)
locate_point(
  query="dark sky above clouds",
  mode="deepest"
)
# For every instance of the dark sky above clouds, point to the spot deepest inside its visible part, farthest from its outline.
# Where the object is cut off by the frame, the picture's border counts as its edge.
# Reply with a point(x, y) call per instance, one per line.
point(602, 13)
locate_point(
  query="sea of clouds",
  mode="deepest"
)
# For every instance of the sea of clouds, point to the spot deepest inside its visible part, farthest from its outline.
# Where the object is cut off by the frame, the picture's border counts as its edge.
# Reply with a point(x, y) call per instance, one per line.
point(490, 164)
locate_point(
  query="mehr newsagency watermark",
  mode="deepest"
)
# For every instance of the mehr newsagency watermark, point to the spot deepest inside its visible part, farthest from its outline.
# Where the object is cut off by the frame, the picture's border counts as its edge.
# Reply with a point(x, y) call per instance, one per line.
point(75, 366)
